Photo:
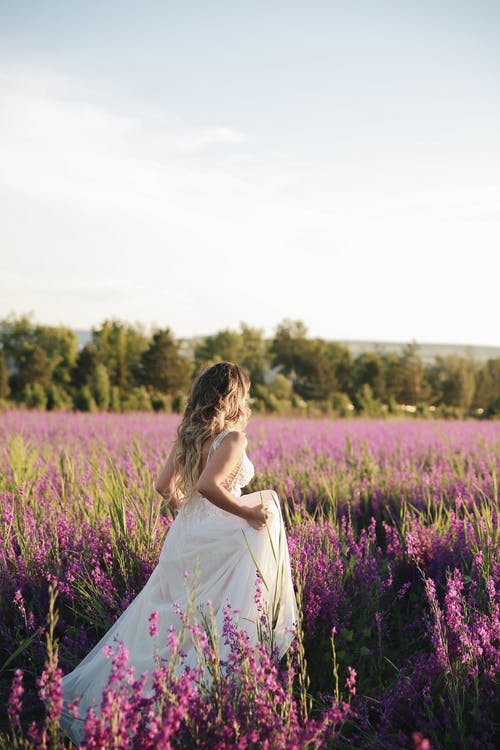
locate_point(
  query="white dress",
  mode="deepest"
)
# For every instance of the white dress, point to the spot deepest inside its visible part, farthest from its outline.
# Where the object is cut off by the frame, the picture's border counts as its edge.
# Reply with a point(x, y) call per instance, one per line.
point(215, 545)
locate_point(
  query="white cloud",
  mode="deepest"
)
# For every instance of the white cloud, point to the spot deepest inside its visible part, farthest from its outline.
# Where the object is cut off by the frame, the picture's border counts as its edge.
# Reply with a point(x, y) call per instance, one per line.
point(107, 210)
point(212, 136)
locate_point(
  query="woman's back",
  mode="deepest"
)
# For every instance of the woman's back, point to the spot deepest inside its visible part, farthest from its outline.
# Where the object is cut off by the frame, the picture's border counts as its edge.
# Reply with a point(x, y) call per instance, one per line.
point(211, 551)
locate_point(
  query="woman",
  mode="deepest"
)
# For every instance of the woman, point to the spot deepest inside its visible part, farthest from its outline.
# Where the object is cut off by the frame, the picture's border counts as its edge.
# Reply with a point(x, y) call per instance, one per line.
point(219, 539)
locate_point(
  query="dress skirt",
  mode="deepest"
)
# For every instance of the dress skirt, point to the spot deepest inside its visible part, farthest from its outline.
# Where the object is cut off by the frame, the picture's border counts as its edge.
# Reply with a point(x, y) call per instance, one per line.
point(208, 555)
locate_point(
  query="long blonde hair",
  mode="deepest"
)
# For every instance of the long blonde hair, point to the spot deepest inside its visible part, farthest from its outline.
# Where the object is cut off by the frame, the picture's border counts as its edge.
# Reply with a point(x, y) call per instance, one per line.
point(216, 401)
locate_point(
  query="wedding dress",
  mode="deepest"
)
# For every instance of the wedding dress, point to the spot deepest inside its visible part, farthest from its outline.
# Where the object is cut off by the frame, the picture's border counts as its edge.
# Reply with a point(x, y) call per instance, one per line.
point(217, 550)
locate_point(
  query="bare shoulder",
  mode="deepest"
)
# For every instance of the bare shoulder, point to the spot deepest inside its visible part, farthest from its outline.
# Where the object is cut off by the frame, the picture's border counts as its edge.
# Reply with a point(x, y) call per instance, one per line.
point(237, 439)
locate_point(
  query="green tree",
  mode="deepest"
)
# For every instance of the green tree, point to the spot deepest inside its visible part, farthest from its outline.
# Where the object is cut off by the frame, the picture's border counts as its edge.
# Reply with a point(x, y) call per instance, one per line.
point(341, 404)
point(138, 400)
point(487, 383)
point(17, 338)
point(247, 347)
point(453, 380)
point(394, 377)
point(161, 402)
point(60, 344)
point(264, 400)
point(115, 402)
point(493, 408)
point(254, 357)
point(289, 347)
point(84, 400)
point(35, 396)
point(415, 388)
point(119, 347)
point(316, 368)
point(17, 341)
point(58, 398)
point(365, 402)
point(369, 369)
point(137, 343)
point(100, 387)
point(37, 353)
point(162, 367)
point(223, 345)
point(326, 360)
point(84, 367)
point(122, 371)
point(281, 388)
point(4, 378)
point(34, 368)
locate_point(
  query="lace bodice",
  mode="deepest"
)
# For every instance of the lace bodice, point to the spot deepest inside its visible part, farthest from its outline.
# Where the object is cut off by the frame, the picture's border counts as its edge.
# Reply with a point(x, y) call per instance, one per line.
point(245, 472)
point(199, 504)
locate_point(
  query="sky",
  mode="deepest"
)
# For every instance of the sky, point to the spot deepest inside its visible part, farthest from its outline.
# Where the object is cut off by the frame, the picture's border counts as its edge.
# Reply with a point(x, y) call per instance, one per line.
point(196, 165)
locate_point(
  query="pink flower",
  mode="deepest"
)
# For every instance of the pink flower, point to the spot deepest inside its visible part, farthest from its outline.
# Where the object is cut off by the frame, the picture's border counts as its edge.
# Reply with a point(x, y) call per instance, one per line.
point(172, 641)
point(351, 680)
point(14, 705)
point(50, 689)
point(420, 742)
point(153, 623)
point(19, 602)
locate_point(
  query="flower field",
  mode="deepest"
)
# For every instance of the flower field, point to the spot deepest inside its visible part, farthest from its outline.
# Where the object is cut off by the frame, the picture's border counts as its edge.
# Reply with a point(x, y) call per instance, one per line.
point(393, 531)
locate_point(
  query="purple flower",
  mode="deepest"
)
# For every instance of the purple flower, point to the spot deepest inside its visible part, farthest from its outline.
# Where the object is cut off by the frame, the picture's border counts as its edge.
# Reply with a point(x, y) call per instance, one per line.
point(153, 623)
point(14, 705)
point(351, 680)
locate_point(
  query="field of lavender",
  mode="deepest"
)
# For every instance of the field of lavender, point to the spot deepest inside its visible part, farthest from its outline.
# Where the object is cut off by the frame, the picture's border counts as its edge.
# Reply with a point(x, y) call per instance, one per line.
point(393, 532)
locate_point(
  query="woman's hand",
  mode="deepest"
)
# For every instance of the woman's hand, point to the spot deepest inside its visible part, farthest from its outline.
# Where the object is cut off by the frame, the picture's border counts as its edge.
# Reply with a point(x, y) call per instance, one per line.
point(166, 482)
point(257, 516)
point(170, 500)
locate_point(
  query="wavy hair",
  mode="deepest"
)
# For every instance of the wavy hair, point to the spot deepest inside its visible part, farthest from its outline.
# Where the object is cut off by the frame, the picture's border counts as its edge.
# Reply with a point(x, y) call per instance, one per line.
point(216, 401)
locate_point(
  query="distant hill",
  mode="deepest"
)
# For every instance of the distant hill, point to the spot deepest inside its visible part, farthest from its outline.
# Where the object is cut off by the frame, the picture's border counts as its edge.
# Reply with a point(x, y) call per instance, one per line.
point(427, 352)
point(83, 337)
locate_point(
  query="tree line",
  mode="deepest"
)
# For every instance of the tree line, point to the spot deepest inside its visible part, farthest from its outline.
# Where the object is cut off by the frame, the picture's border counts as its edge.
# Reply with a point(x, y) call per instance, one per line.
point(124, 368)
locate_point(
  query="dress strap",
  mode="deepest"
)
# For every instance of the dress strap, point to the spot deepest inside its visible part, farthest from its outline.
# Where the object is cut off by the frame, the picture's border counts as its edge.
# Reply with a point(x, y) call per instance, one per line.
point(216, 441)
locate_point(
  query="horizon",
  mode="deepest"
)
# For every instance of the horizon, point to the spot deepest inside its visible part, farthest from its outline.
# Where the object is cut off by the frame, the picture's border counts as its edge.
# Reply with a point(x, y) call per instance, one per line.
point(151, 327)
point(381, 342)
point(212, 164)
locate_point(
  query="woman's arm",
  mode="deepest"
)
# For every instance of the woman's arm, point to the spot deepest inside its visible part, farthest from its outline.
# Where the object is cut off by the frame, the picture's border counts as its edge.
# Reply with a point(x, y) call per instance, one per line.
point(228, 455)
point(165, 484)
